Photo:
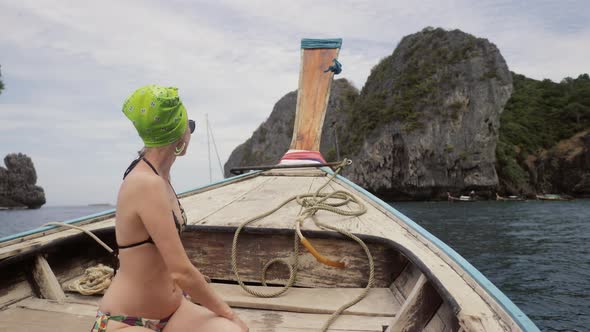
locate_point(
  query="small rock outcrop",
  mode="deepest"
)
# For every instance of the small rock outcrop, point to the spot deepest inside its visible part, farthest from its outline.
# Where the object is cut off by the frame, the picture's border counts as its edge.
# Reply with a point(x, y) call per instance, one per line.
point(272, 138)
point(17, 183)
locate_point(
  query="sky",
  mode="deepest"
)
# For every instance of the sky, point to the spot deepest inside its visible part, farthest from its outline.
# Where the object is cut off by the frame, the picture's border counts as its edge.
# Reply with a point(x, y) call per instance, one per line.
point(69, 65)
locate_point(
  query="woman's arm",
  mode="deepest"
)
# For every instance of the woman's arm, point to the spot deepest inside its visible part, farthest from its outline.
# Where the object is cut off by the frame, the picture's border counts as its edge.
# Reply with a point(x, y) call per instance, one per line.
point(155, 213)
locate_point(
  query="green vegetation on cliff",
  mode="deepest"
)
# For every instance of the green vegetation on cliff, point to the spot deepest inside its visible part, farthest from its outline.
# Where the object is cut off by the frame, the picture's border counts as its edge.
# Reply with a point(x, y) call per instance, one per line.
point(425, 57)
point(538, 115)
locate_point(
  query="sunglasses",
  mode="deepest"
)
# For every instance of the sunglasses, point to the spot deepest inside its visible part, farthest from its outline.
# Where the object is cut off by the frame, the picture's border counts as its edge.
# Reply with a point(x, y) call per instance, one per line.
point(192, 125)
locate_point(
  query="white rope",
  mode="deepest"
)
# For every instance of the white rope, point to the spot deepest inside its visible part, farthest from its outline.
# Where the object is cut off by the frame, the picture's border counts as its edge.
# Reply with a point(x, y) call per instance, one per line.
point(61, 224)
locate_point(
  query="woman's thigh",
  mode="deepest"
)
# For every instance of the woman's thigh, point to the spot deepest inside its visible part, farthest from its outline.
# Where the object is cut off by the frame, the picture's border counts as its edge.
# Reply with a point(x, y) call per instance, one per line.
point(113, 326)
point(191, 317)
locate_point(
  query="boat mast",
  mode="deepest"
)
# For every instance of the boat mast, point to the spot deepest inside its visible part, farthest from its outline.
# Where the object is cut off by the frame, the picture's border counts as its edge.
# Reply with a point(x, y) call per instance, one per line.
point(208, 148)
point(210, 132)
point(318, 65)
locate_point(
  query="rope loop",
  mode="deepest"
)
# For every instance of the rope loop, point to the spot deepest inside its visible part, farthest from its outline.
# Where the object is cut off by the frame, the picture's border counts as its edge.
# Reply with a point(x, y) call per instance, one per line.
point(311, 203)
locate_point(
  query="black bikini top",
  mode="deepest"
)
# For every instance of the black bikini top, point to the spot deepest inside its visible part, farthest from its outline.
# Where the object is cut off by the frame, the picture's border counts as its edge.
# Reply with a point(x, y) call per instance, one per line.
point(179, 226)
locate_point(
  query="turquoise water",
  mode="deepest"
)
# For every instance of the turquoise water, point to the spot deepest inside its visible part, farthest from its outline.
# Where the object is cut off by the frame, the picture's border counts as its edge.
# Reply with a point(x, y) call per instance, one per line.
point(537, 253)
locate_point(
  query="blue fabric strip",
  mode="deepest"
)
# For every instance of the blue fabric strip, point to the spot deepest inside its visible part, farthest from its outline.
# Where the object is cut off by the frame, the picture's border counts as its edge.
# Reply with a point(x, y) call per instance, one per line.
point(307, 43)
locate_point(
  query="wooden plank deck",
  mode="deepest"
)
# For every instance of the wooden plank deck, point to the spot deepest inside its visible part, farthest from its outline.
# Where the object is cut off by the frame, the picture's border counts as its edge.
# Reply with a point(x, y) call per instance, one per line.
point(376, 221)
point(379, 301)
point(41, 315)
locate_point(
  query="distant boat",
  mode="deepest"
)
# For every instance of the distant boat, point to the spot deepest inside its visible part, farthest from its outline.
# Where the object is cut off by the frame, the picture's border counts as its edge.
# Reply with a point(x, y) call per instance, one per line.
point(510, 198)
point(462, 198)
point(554, 197)
point(13, 207)
point(415, 281)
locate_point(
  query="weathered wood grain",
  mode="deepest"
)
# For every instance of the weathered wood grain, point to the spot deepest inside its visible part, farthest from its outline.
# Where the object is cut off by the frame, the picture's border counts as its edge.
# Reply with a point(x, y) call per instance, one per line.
point(49, 287)
point(443, 321)
point(30, 314)
point(199, 207)
point(312, 97)
point(14, 284)
point(211, 253)
point(406, 280)
point(261, 199)
point(379, 301)
point(420, 306)
point(29, 320)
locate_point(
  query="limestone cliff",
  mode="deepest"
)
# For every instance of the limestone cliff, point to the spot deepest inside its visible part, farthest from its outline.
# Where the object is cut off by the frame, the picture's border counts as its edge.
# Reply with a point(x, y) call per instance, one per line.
point(429, 117)
point(17, 183)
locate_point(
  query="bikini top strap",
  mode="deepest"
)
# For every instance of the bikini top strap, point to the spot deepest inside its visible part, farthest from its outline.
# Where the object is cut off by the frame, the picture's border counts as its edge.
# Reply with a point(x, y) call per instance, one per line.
point(131, 167)
point(150, 165)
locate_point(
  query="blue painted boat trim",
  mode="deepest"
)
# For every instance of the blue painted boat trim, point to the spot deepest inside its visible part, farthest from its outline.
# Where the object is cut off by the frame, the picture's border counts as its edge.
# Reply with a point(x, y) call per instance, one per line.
point(523, 321)
point(46, 228)
point(111, 211)
point(308, 43)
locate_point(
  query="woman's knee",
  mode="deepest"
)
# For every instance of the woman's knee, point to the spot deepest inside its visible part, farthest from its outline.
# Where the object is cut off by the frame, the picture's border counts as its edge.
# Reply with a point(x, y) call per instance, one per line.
point(192, 317)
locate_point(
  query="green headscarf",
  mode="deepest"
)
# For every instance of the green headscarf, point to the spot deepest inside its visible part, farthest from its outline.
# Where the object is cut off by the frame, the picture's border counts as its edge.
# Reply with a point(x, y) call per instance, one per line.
point(157, 113)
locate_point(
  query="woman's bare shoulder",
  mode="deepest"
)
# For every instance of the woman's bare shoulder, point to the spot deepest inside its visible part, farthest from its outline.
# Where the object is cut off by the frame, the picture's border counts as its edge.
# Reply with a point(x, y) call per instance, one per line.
point(141, 186)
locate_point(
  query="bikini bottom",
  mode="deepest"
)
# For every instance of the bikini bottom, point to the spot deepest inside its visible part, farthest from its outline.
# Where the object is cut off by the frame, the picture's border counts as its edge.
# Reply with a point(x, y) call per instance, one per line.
point(102, 319)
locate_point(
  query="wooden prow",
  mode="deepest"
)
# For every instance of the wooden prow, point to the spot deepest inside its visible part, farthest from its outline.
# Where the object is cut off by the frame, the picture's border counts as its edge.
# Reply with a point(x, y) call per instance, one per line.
point(314, 92)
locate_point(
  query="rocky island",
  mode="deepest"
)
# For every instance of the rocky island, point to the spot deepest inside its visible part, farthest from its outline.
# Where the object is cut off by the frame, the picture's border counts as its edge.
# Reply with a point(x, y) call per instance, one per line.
point(443, 113)
point(17, 183)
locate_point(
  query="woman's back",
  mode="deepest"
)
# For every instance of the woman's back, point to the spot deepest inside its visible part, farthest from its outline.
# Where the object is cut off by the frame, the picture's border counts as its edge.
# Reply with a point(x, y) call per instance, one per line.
point(142, 271)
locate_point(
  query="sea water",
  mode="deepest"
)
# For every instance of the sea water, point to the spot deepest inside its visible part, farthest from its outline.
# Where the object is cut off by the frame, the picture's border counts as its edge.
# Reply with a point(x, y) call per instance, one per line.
point(536, 252)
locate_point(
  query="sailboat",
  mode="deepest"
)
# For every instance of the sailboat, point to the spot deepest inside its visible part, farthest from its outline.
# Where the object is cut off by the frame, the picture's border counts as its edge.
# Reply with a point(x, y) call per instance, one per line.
point(360, 264)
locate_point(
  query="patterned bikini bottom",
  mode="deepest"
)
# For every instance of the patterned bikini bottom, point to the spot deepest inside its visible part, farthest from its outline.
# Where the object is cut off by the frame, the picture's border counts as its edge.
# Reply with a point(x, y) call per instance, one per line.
point(102, 319)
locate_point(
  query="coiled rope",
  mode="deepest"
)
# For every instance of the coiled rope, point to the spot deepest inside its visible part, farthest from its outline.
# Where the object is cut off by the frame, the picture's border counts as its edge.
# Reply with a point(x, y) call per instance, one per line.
point(95, 279)
point(310, 203)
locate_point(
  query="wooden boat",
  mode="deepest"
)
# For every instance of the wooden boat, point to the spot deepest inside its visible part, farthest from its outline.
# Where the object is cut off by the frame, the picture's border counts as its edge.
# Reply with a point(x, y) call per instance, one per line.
point(419, 283)
point(510, 198)
point(554, 197)
point(461, 199)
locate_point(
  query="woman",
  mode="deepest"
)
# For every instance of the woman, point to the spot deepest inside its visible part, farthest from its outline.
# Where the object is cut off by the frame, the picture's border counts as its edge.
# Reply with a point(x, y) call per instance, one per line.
point(155, 274)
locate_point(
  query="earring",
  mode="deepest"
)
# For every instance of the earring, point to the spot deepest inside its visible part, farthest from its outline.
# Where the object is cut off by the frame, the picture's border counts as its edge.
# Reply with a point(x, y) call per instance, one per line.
point(178, 151)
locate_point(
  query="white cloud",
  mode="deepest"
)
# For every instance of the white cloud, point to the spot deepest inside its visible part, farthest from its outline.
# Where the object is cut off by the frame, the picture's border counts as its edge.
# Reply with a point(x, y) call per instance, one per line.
point(68, 65)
